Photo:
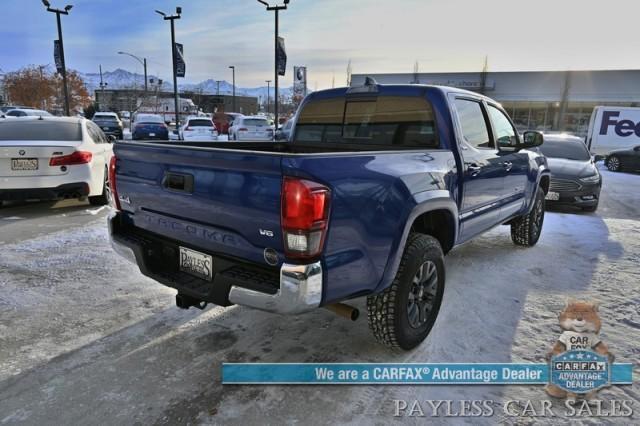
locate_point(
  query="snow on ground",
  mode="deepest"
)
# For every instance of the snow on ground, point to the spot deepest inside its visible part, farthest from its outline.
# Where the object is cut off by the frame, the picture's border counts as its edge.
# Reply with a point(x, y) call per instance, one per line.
point(85, 338)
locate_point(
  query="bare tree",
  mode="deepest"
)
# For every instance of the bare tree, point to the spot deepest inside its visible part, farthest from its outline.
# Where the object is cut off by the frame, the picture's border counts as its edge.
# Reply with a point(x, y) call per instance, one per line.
point(483, 75)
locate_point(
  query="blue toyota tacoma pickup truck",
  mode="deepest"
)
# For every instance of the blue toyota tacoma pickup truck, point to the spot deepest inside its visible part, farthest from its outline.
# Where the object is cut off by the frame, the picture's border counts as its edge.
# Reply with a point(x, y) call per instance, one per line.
point(378, 183)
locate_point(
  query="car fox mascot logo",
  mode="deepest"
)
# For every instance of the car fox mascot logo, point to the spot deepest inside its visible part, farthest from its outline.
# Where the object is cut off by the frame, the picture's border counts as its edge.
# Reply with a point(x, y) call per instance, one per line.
point(581, 325)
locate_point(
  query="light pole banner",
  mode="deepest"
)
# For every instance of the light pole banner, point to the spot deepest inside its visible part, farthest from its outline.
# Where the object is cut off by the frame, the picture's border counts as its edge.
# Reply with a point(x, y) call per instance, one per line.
point(281, 55)
point(57, 55)
point(181, 67)
point(299, 82)
point(399, 374)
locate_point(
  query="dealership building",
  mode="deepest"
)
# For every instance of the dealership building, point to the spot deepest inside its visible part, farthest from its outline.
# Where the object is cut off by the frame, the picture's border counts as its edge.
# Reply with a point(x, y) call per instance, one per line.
point(541, 100)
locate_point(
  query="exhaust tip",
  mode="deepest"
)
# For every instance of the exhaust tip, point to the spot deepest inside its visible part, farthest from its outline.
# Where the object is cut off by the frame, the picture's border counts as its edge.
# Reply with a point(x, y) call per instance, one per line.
point(344, 310)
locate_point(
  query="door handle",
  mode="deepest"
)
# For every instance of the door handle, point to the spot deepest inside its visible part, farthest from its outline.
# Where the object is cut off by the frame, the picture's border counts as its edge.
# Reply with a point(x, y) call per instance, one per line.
point(178, 182)
point(508, 165)
point(474, 169)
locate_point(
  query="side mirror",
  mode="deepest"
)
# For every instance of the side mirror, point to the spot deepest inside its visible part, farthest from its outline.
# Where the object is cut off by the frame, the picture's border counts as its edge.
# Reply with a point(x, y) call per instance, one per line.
point(532, 138)
point(111, 138)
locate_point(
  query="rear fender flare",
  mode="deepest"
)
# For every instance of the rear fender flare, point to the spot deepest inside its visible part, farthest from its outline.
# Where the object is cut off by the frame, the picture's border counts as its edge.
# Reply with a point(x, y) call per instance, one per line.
point(425, 202)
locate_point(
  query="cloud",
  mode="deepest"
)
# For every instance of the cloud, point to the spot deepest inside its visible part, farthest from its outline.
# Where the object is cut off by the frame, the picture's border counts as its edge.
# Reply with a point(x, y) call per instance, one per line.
point(377, 35)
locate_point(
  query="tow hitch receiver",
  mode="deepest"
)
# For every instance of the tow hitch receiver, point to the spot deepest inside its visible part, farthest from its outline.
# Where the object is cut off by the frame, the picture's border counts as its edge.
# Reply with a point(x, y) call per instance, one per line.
point(185, 302)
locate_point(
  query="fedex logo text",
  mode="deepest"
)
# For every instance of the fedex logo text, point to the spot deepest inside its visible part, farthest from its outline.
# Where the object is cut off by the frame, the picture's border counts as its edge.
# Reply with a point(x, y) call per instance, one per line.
point(622, 128)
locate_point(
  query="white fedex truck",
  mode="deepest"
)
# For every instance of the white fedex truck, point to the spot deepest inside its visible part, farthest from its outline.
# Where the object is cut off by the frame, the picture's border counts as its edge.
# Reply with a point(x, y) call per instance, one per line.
point(612, 128)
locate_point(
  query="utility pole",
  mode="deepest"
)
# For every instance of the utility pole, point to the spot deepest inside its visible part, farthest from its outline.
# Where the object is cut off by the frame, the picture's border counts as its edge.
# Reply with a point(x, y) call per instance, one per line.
point(276, 10)
point(268, 95)
point(102, 86)
point(59, 12)
point(174, 55)
point(233, 69)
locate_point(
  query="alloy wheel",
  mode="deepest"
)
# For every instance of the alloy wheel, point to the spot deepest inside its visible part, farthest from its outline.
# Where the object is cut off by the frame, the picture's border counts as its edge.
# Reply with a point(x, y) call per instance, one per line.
point(538, 217)
point(422, 294)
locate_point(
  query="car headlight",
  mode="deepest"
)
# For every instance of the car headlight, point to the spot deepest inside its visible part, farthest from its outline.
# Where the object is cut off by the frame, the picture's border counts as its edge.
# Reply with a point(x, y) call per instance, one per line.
point(591, 179)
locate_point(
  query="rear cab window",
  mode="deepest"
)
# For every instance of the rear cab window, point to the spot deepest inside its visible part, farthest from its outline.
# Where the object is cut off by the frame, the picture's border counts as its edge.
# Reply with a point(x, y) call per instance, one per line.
point(40, 130)
point(200, 123)
point(370, 122)
point(255, 122)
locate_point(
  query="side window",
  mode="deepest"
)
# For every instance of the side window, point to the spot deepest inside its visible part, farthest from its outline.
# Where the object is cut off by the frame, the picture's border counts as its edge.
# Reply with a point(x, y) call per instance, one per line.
point(505, 136)
point(473, 123)
point(95, 133)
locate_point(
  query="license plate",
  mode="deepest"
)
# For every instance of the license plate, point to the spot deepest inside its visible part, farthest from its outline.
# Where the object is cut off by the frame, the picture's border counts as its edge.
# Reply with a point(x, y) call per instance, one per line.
point(195, 263)
point(19, 164)
point(152, 134)
point(553, 196)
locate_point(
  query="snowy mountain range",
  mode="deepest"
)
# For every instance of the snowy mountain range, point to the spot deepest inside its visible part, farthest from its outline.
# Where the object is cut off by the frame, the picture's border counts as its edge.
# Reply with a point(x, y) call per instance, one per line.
point(123, 79)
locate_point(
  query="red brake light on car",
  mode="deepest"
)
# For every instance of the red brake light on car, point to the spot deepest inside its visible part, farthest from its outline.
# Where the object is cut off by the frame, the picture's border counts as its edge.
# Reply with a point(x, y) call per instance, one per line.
point(305, 216)
point(78, 157)
point(115, 201)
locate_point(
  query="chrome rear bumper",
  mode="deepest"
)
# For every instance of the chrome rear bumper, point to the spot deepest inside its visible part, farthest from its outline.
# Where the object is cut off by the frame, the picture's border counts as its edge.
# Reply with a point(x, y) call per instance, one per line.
point(300, 285)
point(300, 291)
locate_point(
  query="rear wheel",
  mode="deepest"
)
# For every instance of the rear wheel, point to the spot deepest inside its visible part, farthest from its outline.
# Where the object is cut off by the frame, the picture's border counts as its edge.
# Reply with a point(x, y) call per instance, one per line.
point(613, 163)
point(526, 230)
point(403, 314)
point(105, 197)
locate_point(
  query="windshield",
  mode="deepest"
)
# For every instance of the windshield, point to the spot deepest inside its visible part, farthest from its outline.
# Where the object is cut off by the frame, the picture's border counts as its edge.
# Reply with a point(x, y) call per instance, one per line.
point(37, 130)
point(567, 149)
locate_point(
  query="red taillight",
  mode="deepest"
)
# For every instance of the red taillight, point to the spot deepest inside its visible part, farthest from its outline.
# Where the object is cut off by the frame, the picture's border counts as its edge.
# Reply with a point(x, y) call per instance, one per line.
point(305, 216)
point(112, 183)
point(243, 130)
point(78, 157)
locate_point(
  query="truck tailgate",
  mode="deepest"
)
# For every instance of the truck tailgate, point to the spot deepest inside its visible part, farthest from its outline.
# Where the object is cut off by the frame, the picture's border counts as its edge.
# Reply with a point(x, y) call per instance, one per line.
point(221, 201)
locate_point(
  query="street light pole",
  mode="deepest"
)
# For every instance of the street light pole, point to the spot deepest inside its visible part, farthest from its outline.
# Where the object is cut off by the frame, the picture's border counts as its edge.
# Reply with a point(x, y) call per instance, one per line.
point(268, 96)
point(143, 61)
point(172, 18)
point(102, 86)
point(59, 12)
point(233, 69)
point(275, 9)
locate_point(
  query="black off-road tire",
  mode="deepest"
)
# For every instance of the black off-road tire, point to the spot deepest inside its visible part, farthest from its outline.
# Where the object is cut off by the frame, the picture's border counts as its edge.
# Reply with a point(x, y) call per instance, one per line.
point(526, 230)
point(104, 198)
point(388, 311)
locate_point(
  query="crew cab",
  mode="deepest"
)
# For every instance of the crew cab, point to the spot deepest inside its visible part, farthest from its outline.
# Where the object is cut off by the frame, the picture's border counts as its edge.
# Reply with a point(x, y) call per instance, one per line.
point(376, 185)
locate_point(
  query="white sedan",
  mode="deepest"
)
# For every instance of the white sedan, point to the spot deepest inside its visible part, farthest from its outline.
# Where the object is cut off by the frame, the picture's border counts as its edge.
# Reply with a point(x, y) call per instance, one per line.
point(198, 129)
point(250, 129)
point(49, 158)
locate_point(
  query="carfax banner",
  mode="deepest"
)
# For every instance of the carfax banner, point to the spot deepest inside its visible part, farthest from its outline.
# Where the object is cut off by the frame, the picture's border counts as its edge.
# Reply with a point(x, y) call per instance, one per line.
point(427, 374)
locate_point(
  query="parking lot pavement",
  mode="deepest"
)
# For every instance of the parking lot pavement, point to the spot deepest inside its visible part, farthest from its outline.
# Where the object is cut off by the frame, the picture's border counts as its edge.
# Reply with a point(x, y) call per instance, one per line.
point(85, 338)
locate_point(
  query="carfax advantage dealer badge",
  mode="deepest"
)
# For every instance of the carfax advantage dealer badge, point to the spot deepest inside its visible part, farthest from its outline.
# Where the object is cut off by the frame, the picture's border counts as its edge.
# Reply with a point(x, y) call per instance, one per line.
point(580, 371)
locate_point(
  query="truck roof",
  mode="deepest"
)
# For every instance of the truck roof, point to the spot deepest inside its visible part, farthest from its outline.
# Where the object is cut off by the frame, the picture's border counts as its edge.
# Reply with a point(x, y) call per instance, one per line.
point(390, 90)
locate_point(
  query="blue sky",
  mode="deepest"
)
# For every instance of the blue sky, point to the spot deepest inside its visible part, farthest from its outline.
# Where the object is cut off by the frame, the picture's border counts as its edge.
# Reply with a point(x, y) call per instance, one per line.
point(377, 35)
